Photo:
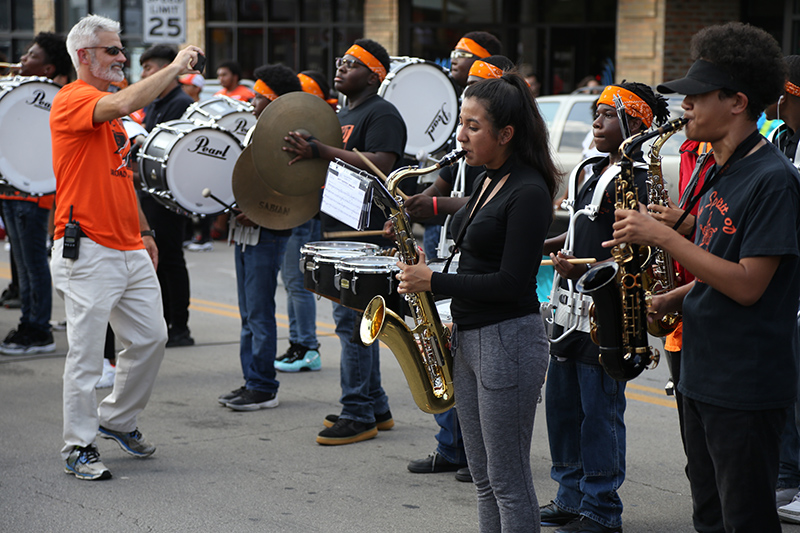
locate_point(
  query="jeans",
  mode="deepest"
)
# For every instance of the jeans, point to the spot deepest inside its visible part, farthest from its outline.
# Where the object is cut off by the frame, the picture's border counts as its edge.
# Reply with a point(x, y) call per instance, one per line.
point(256, 281)
point(430, 240)
point(451, 443)
point(362, 394)
point(498, 374)
point(733, 464)
point(26, 224)
point(586, 427)
point(301, 304)
point(107, 286)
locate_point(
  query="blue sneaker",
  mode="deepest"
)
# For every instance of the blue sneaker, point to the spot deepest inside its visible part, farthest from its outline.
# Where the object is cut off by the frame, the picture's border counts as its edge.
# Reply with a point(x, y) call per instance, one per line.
point(302, 359)
point(132, 443)
point(84, 463)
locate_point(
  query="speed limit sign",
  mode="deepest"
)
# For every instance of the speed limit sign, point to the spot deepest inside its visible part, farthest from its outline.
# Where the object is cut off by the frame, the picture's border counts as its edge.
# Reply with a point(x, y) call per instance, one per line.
point(164, 21)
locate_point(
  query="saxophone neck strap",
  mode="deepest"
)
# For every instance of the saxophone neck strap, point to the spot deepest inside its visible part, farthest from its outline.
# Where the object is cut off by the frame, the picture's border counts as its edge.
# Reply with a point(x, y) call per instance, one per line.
point(715, 173)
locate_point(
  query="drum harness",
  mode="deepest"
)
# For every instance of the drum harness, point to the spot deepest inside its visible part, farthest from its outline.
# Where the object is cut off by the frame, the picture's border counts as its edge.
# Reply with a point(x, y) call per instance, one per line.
point(567, 307)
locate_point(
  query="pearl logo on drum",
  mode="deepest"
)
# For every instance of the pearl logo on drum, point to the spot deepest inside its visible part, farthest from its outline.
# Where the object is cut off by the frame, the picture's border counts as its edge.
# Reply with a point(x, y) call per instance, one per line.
point(441, 118)
point(38, 100)
point(202, 148)
point(241, 127)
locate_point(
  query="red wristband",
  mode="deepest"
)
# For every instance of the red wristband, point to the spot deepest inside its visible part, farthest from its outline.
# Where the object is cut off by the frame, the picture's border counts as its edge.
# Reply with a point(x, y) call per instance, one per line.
point(435, 206)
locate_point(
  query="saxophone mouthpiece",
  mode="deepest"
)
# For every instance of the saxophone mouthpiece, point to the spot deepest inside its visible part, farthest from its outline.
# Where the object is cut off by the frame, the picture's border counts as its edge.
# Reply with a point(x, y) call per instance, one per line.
point(451, 158)
point(676, 124)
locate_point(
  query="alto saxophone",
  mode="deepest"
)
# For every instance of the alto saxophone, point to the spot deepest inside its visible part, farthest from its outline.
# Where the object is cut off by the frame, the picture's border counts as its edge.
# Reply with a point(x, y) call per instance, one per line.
point(661, 276)
point(619, 289)
point(424, 351)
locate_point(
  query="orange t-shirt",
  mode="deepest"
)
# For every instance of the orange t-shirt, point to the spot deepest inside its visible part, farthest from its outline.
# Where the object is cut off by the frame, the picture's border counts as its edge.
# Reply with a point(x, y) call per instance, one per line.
point(241, 92)
point(93, 173)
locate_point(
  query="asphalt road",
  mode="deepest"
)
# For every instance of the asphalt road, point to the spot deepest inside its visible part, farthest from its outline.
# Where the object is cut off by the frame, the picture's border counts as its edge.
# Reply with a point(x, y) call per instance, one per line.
point(216, 470)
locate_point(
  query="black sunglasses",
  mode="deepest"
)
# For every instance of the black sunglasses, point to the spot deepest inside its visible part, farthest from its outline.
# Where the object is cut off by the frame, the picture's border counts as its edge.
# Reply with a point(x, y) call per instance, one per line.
point(110, 50)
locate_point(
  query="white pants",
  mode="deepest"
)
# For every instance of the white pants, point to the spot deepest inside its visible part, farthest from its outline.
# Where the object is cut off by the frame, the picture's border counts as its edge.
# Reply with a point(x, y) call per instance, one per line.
point(108, 286)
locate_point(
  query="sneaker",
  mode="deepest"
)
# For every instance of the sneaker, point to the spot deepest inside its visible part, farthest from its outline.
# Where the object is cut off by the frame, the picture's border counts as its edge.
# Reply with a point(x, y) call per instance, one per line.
point(10, 293)
point(384, 421)
point(132, 443)
point(253, 400)
point(587, 525)
point(346, 431)
point(26, 340)
point(12, 303)
point(302, 359)
point(785, 496)
point(553, 515)
point(464, 475)
point(180, 339)
point(293, 346)
point(433, 464)
point(200, 246)
point(84, 463)
point(791, 511)
point(225, 398)
point(109, 373)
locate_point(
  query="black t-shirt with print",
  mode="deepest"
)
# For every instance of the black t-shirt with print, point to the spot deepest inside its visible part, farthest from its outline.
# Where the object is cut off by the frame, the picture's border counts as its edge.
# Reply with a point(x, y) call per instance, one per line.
point(589, 234)
point(375, 125)
point(735, 356)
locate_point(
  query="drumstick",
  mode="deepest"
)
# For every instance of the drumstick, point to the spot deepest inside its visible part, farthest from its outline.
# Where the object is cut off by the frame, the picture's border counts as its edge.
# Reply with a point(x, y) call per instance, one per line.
point(574, 261)
point(378, 172)
point(207, 194)
point(346, 234)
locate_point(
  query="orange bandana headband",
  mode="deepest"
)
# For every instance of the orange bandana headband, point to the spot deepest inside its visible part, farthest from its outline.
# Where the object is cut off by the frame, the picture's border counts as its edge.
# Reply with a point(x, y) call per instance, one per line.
point(472, 47)
point(369, 60)
point(265, 90)
point(484, 70)
point(634, 105)
point(310, 86)
point(792, 89)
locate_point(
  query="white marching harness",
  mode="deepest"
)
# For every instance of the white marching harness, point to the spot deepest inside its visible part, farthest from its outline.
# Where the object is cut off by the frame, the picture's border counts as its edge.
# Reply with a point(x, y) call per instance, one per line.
point(567, 307)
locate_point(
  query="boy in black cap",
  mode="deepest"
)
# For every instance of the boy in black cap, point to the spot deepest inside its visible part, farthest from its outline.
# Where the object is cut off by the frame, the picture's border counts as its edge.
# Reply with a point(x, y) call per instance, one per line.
point(738, 370)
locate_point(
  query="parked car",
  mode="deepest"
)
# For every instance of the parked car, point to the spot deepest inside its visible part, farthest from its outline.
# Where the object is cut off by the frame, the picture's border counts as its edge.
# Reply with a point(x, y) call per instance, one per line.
point(569, 120)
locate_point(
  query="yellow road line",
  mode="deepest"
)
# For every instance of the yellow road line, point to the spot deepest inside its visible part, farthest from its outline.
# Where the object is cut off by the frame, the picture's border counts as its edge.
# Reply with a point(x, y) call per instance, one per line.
point(232, 311)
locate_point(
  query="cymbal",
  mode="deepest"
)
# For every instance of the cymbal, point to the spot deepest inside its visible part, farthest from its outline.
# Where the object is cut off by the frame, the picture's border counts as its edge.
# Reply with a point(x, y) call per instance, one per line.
point(262, 204)
point(296, 111)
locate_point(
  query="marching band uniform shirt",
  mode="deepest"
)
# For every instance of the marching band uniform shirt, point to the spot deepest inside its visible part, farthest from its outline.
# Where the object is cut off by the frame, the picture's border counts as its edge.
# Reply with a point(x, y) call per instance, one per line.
point(589, 234)
point(240, 92)
point(92, 168)
point(500, 252)
point(375, 125)
point(172, 106)
point(735, 356)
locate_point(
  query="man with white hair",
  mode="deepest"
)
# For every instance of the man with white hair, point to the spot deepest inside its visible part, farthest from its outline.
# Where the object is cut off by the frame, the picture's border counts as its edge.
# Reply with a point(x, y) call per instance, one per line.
point(104, 254)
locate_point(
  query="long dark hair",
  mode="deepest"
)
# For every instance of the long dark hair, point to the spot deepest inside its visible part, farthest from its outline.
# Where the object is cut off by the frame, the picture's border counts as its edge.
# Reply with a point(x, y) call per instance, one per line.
point(508, 101)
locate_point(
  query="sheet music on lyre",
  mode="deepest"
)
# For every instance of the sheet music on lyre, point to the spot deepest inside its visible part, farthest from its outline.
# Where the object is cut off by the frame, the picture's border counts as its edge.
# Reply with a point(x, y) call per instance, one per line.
point(347, 196)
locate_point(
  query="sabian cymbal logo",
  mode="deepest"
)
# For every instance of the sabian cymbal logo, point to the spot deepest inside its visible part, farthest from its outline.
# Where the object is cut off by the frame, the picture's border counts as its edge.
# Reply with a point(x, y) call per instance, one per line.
point(38, 100)
point(441, 117)
point(274, 208)
point(202, 148)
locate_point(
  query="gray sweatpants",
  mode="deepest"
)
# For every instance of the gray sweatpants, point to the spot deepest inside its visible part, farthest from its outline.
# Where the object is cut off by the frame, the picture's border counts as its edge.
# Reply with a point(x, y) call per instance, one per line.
point(498, 375)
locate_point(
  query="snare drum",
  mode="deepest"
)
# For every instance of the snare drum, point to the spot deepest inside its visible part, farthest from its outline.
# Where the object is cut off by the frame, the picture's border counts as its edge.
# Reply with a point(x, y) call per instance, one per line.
point(362, 278)
point(233, 115)
point(26, 154)
point(180, 159)
point(427, 100)
point(318, 261)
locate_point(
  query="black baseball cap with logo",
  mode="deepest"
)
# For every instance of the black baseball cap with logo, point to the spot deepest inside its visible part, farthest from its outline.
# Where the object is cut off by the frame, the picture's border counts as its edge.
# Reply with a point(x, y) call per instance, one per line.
point(703, 77)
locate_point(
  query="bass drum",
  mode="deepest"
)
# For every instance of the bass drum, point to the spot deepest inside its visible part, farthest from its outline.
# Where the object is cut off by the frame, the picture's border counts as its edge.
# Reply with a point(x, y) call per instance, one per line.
point(233, 115)
point(427, 100)
point(180, 159)
point(26, 154)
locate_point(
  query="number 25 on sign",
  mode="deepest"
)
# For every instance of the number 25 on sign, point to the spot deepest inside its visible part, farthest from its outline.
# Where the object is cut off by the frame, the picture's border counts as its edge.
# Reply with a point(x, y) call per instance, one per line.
point(164, 21)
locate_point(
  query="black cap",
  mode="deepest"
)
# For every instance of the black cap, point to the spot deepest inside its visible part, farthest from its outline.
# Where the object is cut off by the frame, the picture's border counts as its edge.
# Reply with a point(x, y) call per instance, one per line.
point(703, 77)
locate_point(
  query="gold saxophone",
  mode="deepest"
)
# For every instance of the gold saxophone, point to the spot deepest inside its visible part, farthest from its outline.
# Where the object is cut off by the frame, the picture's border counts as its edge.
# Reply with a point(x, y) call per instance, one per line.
point(619, 289)
point(424, 351)
point(660, 277)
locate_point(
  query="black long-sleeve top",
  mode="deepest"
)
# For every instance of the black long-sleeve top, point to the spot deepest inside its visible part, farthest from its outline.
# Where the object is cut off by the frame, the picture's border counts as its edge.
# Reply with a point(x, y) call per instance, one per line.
point(500, 252)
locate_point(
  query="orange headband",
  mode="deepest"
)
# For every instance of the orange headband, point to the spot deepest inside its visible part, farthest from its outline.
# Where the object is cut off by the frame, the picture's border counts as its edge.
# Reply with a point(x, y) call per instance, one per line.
point(792, 89)
point(472, 47)
point(634, 105)
point(485, 70)
point(265, 90)
point(369, 60)
point(310, 86)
